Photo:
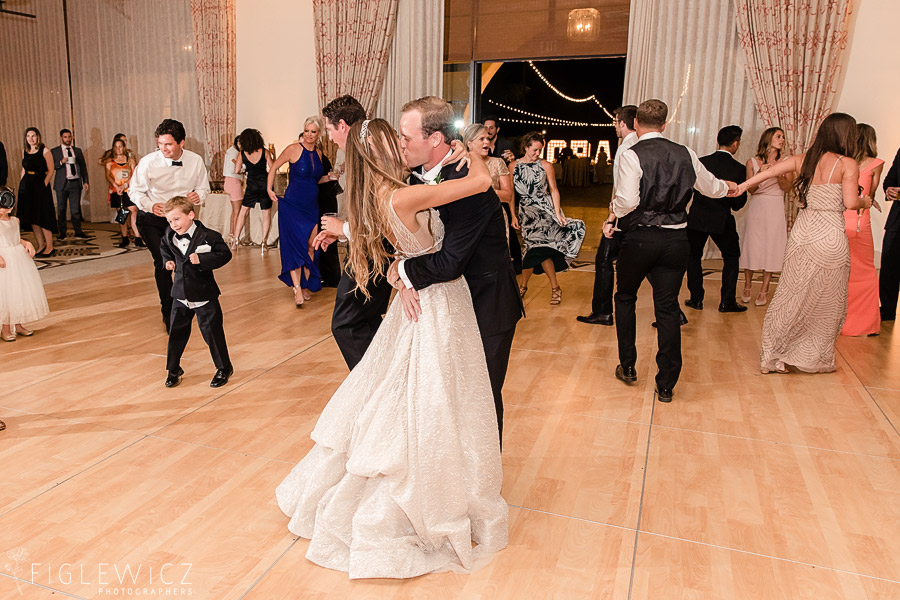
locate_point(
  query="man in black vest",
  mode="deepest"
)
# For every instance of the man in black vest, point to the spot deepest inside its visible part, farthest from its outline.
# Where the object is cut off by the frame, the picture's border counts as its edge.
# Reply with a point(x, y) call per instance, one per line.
point(711, 217)
point(655, 181)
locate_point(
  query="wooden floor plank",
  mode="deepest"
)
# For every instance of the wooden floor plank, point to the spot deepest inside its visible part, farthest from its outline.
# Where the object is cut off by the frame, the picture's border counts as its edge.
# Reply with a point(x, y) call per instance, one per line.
point(755, 486)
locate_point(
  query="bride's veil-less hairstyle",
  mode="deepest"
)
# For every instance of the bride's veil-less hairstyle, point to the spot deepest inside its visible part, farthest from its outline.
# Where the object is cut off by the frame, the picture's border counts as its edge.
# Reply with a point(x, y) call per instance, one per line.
point(837, 134)
point(374, 169)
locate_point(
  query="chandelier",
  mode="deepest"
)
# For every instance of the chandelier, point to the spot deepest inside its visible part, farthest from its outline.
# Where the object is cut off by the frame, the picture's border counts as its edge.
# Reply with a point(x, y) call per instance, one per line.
point(584, 25)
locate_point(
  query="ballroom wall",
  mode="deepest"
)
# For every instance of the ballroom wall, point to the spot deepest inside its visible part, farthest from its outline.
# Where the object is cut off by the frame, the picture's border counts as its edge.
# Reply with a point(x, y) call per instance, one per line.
point(276, 70)
point(871, 88)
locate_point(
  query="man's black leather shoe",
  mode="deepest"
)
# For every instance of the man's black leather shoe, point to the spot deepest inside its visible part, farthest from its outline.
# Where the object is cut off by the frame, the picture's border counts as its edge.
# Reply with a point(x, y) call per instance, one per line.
point(596, 319)
point(221, 377)
point(695, 304)
point(174, 377)
point(664, 394)
point(733, 307)
point(682, 320)
point(626, 374)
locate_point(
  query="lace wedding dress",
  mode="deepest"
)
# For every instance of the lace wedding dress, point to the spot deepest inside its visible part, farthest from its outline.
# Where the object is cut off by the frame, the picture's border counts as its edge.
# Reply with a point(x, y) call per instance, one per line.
point(404, 478)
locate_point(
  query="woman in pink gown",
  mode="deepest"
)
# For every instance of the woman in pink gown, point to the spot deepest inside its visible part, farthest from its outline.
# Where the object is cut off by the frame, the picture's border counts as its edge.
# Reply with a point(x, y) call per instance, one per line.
point(863, 316)
point(765, 226)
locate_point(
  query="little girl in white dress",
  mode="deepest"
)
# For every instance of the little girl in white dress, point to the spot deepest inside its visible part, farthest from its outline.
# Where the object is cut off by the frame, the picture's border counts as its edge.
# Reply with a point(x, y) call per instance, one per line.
point(22, 298)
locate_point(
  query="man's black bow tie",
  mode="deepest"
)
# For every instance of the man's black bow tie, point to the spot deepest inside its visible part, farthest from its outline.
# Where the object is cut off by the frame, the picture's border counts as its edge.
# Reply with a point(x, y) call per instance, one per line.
point(177, 163)
point(182, 236)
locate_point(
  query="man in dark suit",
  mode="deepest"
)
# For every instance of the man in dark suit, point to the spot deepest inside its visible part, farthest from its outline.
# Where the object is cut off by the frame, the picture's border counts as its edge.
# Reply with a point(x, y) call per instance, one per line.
point(501, 147)
point(355, 320)
point(711, 217)
point(474, 241)
point(889, 278)
point(71, 178)
point(193, 251)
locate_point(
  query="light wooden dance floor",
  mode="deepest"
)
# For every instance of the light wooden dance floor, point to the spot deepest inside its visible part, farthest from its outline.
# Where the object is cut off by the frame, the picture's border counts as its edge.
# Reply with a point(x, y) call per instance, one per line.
point(747, 486)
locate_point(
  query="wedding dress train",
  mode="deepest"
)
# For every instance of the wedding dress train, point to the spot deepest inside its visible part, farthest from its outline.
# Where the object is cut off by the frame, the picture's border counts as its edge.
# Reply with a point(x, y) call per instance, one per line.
point(405, 475)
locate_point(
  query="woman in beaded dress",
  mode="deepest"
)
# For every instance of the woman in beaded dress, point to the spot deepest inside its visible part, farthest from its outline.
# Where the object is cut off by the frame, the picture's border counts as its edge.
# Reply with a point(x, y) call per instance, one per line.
point(808, 309)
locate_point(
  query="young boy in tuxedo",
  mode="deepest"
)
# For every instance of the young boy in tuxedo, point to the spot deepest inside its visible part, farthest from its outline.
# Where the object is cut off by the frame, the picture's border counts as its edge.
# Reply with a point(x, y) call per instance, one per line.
point(193, 251)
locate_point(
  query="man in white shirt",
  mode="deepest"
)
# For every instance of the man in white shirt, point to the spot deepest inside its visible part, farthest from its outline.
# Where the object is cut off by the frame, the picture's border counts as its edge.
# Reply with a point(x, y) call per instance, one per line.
point(610, 243)
point(655, 180)
point(160, 176)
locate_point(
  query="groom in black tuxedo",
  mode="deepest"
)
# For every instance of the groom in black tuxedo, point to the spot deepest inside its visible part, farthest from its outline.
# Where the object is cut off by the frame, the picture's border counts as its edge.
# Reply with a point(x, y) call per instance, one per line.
point(711, 217)
point(474, 241)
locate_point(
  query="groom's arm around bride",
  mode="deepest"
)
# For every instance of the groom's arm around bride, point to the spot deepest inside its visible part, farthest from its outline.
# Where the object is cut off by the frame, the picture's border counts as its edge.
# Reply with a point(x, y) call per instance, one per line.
point(474, 244)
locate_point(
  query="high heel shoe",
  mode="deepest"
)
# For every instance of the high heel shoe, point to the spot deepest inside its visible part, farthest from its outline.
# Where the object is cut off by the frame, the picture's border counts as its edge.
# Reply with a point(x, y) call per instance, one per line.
point(23, 331)
point(765, 299)
point(298, 297)
point(555, 296)
point(522, 290)
point(263, 249)
point(8, 338)
point(745, 296)
point(306, 294)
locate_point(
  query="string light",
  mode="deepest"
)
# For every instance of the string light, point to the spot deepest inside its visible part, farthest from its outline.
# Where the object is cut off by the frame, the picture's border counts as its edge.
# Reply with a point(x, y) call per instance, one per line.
point(569, 98)
point(548, 120)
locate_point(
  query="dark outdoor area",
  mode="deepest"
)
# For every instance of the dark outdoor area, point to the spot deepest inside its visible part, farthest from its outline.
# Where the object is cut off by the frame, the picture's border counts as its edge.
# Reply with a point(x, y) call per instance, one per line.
point(517, 89)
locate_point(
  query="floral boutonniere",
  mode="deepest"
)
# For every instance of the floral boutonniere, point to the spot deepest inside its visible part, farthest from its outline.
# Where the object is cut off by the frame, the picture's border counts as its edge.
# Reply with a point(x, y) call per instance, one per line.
point(437, 179)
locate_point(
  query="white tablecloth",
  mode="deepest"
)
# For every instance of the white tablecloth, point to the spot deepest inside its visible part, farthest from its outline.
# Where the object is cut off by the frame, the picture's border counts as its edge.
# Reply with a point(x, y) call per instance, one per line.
point(215, 213)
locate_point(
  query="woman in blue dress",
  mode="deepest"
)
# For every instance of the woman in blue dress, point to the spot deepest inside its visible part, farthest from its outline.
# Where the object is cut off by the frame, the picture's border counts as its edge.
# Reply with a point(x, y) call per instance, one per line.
point(298, 212)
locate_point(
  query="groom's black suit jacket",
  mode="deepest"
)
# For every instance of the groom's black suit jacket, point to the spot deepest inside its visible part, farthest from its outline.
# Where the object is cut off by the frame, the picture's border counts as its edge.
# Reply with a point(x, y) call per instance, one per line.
point(475, 246)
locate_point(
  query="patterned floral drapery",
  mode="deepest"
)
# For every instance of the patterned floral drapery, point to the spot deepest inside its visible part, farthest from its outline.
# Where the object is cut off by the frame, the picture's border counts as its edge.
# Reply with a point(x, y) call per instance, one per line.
point(213, 24)
point(792, 55)
point(353, 44)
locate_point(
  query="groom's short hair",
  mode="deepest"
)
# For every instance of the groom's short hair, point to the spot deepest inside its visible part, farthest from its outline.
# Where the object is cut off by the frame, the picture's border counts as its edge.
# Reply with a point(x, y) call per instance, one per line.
point(344, 108)
point(652, 113)
point(437, 115)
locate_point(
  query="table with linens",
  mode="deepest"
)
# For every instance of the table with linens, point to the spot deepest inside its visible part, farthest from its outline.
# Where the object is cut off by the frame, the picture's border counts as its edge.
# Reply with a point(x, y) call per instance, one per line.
point(215, 213)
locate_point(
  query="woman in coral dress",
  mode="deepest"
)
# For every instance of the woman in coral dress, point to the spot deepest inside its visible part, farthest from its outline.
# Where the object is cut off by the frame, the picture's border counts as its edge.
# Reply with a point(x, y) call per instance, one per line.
point(863, 314)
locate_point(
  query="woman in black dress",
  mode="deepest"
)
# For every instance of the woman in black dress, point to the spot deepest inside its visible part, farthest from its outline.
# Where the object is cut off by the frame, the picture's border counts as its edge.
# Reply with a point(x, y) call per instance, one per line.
point(35, 196)
point(256, 162)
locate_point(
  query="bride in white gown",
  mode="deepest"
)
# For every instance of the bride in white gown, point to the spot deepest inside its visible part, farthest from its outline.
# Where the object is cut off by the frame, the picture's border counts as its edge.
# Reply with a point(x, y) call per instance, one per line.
point(404, 478)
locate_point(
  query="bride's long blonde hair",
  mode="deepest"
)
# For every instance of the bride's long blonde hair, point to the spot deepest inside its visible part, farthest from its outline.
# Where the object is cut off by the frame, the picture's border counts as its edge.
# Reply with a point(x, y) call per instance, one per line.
point(374, 169)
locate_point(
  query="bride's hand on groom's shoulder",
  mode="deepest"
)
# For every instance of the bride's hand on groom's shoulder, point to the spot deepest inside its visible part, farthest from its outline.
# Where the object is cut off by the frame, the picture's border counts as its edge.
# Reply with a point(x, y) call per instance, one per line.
point(460, 155)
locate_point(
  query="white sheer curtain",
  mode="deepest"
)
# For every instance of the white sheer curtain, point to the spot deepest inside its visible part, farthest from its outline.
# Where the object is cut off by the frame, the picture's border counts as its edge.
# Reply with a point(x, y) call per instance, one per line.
point(686, 53)
point(34, 86)
point(132, 67)
point(415, 67)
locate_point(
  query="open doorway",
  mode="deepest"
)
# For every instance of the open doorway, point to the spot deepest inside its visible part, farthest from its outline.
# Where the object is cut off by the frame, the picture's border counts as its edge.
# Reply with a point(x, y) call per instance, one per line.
point(570, 101)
